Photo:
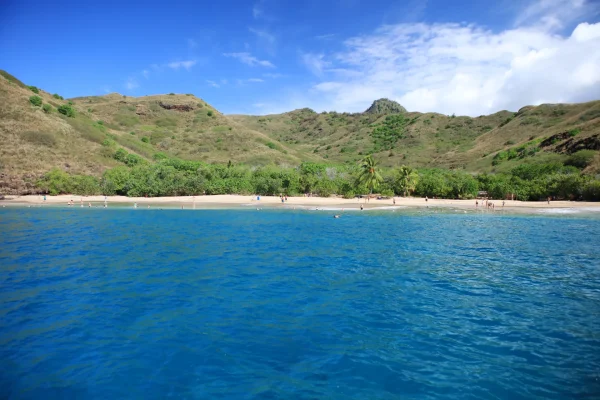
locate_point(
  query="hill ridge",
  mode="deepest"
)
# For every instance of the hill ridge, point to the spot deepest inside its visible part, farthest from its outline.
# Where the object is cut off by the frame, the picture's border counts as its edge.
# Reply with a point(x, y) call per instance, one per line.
point(187, 127)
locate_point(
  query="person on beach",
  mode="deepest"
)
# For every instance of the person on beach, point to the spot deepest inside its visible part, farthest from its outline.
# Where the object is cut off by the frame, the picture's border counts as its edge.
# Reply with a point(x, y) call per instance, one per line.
point(44, 198)
point(476, 203)
point(394, 200)
point(426, 199)
point(502, 203)
point(89, 205)
point(134, 205)
point(361, 207)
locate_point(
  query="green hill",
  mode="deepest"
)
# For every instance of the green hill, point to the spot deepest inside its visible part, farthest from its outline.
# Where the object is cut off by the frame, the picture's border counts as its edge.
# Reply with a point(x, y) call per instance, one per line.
point(87, 135)
point(385, 106)
point(436, 140)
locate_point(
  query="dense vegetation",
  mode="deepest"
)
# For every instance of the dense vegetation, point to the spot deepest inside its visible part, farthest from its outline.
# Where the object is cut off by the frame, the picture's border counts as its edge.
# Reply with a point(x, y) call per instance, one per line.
point(88, 135)
point(175, 177)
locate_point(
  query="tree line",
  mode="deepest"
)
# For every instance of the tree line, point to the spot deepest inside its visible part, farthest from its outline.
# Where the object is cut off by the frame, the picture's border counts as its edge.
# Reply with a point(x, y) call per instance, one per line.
point(175, 177)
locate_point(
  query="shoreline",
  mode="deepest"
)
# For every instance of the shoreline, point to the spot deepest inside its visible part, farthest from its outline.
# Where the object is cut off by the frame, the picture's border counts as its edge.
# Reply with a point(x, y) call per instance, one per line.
point(334, 203)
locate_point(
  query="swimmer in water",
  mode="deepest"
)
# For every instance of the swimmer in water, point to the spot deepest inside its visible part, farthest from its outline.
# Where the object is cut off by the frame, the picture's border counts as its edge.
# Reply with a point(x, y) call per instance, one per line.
point(336, 216)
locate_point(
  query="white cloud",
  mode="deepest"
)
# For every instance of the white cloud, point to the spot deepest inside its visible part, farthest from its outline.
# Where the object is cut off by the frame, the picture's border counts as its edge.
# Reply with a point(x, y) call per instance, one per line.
point(260, 11)
point(257, 11)
point(243, 82)
point(553, 14)
point(326, 36)
point(223, 81)
point(259, 105)
point(458, 68)
point(213, 84)
point(315, 63)
point(182, 64)
point(274, 76)
point(265, 40)
point(263, 34)
point(586, 31)
point(250, 60)
point(146, 73)
point(131, 84)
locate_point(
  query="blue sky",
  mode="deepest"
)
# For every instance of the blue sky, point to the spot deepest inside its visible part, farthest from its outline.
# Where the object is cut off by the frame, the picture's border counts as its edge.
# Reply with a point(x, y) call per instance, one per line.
point(263, 56)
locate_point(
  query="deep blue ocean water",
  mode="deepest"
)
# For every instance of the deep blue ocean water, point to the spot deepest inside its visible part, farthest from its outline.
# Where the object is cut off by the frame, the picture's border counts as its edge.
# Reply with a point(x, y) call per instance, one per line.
point(150, 304)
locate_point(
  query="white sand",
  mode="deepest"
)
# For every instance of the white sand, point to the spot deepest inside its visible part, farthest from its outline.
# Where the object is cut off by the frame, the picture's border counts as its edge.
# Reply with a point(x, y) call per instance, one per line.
point(320, 202)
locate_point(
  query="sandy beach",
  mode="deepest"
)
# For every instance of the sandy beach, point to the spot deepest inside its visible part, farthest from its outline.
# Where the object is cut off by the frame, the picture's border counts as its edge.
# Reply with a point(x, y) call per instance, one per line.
point(199, 202)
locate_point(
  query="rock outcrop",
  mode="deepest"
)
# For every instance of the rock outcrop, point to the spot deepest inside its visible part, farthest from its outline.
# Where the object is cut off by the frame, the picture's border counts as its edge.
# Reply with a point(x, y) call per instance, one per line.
point(385, 106)
point(176, 107)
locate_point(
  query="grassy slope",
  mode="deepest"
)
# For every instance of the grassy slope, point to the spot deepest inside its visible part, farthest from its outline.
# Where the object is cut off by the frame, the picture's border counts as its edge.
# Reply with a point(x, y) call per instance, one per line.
point(192, 135)
point(431, 140)
point(33, 141)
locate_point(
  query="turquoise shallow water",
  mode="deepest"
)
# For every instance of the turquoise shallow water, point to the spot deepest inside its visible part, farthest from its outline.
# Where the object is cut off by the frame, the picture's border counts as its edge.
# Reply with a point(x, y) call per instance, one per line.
point(149, 304)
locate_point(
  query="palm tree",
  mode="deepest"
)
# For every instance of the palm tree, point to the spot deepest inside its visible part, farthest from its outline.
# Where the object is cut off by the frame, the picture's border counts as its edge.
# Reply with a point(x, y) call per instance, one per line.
point(407, 179)
point(369, 175)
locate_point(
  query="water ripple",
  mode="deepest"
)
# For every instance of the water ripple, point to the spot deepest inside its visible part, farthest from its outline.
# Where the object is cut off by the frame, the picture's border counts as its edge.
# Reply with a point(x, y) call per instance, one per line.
point(281, 304)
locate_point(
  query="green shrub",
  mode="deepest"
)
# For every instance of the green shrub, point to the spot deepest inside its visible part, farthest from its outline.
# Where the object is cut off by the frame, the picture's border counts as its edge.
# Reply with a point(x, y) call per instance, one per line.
point(132, 133)
point(34, 89)
point(171, 94)
point(209, 113)
point(581, 159)
point(70, 103)
point(121, 154)
point(35, 100)
point(145, 139)
point(47, 108)
point(115, 181)
point(66, 110)
point(57, 96)
point(109, 142)
point(591, 190)
point(56, 182)
point(271, 145)
point(159, 156)
point(574, 132)
point(133, 159)
point(86, 185)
